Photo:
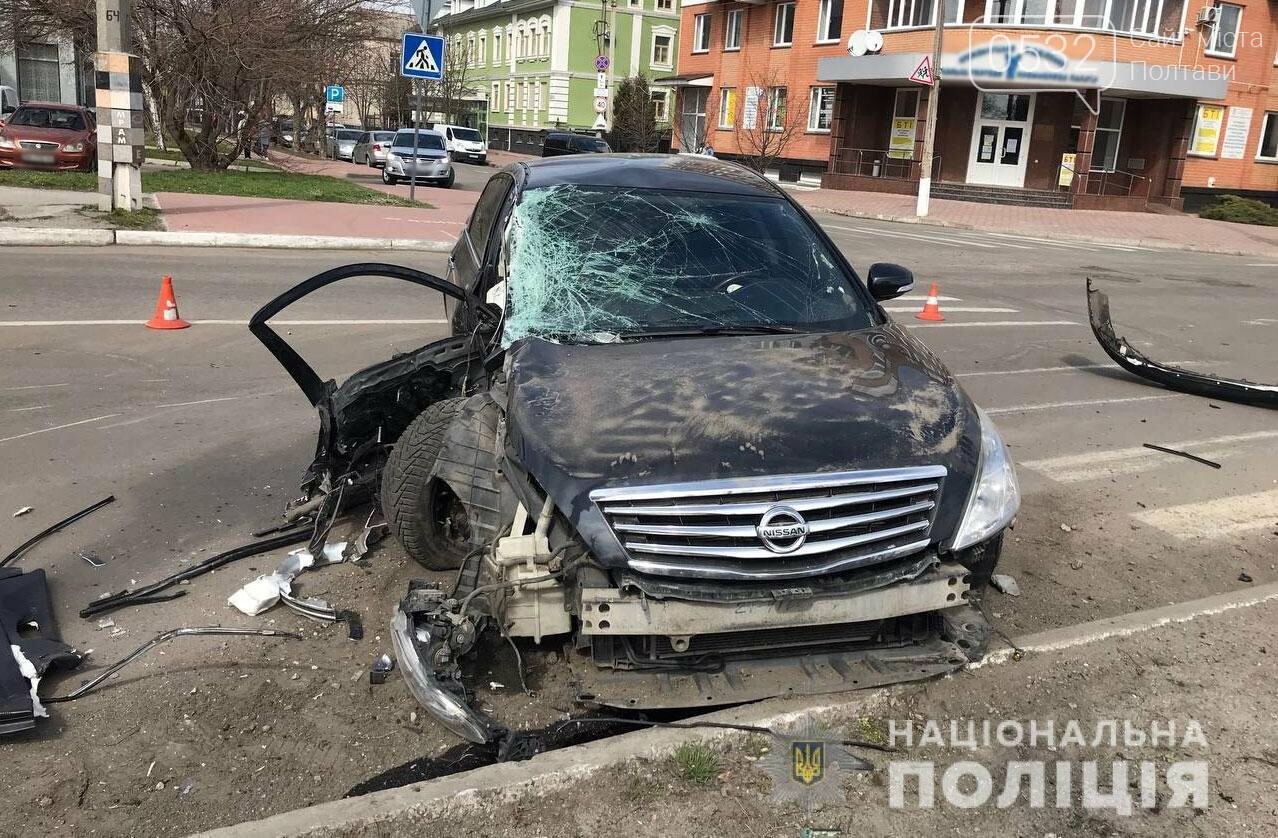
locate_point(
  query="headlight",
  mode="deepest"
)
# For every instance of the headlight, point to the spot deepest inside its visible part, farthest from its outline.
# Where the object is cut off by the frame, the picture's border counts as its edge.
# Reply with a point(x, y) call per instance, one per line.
point(5, 142)
point(392, 157)
point(73, 146)
point(995, 496)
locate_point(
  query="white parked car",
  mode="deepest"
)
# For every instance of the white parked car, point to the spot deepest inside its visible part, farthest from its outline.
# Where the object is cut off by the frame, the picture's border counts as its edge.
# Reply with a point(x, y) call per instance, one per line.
point(464, 144)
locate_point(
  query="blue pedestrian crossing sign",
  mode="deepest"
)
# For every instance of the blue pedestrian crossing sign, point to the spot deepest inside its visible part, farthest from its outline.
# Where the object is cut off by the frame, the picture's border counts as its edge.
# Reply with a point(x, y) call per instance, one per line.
point(335, 94)
point(423, 57)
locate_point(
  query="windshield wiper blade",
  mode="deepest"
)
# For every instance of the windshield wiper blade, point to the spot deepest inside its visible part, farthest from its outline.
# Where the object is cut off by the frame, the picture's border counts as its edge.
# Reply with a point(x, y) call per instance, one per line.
point(714, 331)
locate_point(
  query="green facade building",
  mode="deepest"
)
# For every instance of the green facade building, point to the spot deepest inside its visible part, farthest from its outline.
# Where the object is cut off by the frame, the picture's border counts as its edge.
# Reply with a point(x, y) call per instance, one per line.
point(530, 64)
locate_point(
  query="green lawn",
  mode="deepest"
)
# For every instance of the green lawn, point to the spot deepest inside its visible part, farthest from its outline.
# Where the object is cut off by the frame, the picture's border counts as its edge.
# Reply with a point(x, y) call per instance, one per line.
point(236, 182)
point(239, 164)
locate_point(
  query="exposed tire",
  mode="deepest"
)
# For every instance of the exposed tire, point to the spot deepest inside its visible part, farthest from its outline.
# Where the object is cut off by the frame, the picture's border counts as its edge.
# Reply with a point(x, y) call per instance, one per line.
point(448, 184)
point(423, 512)
point(388, 178)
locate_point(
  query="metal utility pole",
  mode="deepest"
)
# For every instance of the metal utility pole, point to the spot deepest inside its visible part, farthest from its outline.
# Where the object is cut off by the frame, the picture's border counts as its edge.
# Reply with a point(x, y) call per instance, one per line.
point(933, 106)
point(118, 94)
point(423, 8)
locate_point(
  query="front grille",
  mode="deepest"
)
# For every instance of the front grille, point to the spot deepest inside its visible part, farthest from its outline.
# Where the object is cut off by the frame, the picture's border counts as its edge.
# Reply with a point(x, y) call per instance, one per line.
point(746, 528)
point(36, 145)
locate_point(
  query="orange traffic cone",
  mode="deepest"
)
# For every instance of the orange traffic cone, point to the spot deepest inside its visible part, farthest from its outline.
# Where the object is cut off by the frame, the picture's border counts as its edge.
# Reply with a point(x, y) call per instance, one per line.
point(931, 308)
point(166, 312)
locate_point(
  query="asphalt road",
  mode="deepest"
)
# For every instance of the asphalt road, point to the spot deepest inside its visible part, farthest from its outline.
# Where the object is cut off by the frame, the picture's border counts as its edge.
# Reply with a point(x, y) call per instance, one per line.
point(202, 438)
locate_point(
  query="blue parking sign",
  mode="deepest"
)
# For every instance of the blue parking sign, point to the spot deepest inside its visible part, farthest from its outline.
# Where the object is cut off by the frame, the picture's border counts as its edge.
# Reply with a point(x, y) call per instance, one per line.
point(423, 57)
point(335, 93)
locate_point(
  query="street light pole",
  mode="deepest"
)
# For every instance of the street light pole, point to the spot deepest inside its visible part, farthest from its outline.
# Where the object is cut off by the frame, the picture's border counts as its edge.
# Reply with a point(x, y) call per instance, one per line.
point(933, 107)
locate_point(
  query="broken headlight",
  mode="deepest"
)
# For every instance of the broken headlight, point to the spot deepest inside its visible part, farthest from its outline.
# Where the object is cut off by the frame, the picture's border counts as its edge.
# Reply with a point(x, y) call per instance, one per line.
point(995, 496)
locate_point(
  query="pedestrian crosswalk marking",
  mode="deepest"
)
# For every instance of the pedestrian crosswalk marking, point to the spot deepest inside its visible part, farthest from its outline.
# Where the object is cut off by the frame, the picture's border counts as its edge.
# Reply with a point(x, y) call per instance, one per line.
point(1217, 517)
point(1095, 465)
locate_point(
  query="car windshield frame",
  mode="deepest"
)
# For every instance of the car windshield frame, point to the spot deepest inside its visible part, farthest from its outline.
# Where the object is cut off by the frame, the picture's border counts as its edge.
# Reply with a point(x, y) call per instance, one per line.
point(23, 110)
point(427, 141)
point(601, 264)
point(475, 138)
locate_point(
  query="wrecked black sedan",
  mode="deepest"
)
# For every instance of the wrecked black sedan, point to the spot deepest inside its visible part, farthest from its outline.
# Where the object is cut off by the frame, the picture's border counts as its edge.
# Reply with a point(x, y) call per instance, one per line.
point(674, 433)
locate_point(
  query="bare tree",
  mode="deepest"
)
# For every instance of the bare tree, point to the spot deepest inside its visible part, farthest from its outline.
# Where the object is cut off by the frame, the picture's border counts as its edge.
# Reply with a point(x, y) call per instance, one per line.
point(213, 65)
point(448, 96)
point(777, 121)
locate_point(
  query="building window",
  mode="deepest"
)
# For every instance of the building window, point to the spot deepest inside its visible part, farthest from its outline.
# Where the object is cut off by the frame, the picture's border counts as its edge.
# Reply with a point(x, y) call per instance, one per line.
point(701, 33)
point(545, 35)
point(39, 76)
point(665, 5)
point(494, 97)
point(776, 120)
point(820, 108)
point(660, 106)
point(732, 30)
point(783, 25)
point(727, 107)
point(496, 47)
point(536, 96)
point(905, 14)
point(482, 48)
point(1109, 135)
point(829, 20)
point(662, 48)
point(1268, 148)
point(1224, 34)
point(510, 97)
point(470, 50)
point(1206, 136)
point(636, 4)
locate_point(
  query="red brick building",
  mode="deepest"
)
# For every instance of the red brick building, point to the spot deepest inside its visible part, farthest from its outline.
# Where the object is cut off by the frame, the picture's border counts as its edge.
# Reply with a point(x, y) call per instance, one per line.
point(1086, 103)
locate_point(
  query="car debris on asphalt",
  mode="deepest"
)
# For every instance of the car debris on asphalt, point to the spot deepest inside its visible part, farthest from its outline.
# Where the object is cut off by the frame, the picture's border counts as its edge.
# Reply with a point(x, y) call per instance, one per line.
point(1184, 454)
point(53, 528)
point(1173, 378)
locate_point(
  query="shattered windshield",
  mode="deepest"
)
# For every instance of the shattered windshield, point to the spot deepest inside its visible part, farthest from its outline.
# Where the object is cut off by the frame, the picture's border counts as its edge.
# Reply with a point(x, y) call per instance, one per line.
point(591, 264)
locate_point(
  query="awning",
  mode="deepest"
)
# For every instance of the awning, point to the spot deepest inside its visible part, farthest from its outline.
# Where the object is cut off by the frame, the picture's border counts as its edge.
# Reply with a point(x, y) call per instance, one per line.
point(989, 68)
point(687, 80)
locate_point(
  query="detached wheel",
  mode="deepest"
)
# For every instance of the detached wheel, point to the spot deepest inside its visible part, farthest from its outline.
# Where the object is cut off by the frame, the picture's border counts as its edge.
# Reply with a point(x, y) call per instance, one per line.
point(423, 512)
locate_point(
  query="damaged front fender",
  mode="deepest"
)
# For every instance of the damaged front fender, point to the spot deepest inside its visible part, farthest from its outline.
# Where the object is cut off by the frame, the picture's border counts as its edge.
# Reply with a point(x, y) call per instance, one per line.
point(1173, 378)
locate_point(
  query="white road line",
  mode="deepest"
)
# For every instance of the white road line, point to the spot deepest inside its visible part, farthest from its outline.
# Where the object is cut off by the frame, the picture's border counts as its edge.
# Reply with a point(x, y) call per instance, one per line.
point(1026, 408)
point(896, 234)
point(1036, 370)
point(955, 310)
point(991, 323)
point(922, 298)
point(1263, 265)
point(59, 427)
point(36, 386)
point(1068, 245)
point(422, 322)
point(1217, 517)
point(201, 401)
point(1077, 468)
point(25, 409)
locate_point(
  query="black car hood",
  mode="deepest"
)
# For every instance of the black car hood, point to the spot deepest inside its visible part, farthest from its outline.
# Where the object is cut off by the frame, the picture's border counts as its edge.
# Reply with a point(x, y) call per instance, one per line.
point(678, 410)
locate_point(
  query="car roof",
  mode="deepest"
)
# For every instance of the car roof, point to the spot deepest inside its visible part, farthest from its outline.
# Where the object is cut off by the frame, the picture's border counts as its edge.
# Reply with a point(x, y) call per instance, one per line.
point(61, 106)
point(688, 172)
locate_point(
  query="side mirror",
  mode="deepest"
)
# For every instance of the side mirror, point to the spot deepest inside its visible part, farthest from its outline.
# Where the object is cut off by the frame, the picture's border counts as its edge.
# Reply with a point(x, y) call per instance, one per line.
point(887, 281)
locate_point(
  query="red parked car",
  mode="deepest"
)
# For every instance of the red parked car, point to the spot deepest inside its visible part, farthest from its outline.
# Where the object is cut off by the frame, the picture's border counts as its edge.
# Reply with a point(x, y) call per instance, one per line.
point(41, 135)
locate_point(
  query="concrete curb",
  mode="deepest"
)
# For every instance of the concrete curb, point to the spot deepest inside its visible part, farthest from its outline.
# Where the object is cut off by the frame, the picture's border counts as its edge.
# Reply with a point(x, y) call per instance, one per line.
point(58, 236)
point(556, 769)
point(54, 236)
point(957, 225)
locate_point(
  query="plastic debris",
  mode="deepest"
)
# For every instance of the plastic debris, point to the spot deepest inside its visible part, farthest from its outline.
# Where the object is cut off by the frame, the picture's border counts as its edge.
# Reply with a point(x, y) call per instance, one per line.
point(1006, 584)
point(23, 511)
point(381, 669)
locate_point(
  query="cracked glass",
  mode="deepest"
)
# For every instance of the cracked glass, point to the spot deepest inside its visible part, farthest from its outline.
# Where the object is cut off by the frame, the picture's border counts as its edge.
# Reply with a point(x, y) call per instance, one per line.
point(596, 264)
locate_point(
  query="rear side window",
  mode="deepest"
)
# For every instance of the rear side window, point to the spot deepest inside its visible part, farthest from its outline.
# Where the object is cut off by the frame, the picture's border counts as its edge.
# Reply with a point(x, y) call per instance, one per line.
point(487, 208)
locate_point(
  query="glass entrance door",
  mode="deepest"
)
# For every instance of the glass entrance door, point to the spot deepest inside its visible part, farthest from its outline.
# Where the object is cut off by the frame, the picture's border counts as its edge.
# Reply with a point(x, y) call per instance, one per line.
point(1000, 135)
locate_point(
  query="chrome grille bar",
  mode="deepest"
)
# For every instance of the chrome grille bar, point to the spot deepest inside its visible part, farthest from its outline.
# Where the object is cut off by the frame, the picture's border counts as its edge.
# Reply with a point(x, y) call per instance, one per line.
point(783, 526)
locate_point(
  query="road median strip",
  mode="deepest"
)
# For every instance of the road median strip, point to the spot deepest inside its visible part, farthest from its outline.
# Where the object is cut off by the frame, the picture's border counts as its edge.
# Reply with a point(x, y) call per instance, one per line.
point(553, 770)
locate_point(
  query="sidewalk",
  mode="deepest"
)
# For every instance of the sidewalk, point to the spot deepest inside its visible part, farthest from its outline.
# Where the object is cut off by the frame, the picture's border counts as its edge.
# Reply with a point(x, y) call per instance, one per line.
point(1171, 230)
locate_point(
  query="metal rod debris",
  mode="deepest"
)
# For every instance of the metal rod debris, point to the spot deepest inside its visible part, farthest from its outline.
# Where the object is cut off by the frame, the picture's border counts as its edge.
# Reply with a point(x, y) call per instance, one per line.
point(194, 631)
point(43, 534)
point(1184, 454)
